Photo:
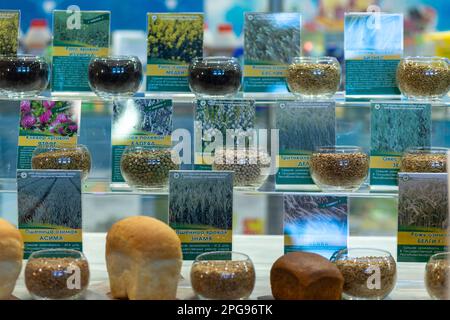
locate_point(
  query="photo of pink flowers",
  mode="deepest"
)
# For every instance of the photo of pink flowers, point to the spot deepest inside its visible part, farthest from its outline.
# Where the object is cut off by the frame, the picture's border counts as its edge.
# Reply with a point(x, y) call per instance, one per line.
point(59, 118)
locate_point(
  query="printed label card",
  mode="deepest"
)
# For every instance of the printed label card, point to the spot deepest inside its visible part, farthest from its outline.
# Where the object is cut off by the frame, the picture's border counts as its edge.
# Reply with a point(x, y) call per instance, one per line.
point(139, 122)
point(373, 44)
point(395, 127)
point(174, 40)
point(49, 206)
point(212, 120)
point(9, 31)
point(271, 40)
point(77, 37)
point(316, 224)
point(201, 210)
point(422, 216)
point(303, 126)
point(46, 124)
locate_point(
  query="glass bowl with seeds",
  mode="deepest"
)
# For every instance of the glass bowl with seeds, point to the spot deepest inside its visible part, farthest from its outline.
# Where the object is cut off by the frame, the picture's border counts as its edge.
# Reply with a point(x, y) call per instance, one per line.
point(57, 274)
point(147, 168)
point(424, 78)
point(223, 275)
point(424, 159)
point(339, 168)
point(63, 158)
point(251, 166)
point(314, 77)
point(437, 275)
point(369, 274)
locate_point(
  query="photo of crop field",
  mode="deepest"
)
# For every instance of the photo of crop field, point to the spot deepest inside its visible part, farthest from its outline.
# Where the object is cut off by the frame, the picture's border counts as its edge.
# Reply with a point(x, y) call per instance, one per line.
point(94, 31)
point(271, 38)
point(305, 128)
point(9, 32)
point(397, 129)
point(203, 199)
point(423, 200)
point(175, 37)
point(50, 202)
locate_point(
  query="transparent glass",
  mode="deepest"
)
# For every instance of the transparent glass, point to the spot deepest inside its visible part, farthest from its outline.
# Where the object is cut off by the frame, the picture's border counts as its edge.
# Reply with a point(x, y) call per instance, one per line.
point(147, 168)
point(223, 275)
point(339, 168)
point(251, 167)
point(437, 273)
point(215, 76)
point(57, 274)
point(424, 159)
point(23, 75)
point(63, 158)
point(314, 77)
point(369, 274)
point(115, 76)
point(423, 78)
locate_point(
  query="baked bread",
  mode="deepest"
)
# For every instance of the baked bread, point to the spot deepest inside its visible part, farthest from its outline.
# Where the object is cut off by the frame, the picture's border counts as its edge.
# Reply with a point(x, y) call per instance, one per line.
point(11, 255)
point(305, 276)
point(143, 258)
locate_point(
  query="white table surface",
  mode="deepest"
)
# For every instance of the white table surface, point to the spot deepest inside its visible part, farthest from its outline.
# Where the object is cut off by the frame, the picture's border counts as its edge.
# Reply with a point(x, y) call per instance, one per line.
point(263, 250)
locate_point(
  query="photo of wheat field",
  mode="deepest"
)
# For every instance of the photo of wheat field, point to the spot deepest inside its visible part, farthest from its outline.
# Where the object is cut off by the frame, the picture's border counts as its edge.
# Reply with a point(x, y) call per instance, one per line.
point(49, 201)
point(303, 128)
point(423, 200)
point(201, 199)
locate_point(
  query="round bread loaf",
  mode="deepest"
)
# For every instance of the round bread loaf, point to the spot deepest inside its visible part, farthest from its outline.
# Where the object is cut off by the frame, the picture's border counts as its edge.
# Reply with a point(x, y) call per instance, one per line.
point(305, 276)
point(11, 255)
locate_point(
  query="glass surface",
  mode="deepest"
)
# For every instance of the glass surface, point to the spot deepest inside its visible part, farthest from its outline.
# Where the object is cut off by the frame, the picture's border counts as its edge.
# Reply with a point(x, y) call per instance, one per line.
point(424, 159)
point(437, 273)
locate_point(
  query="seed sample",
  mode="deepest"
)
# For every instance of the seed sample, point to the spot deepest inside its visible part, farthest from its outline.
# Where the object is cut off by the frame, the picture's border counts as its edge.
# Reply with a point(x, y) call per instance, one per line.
point(424, 77)
point(250, 167)
point(437, 274)
point(339, 168)
point(314, 77)
point(115, 76)
point(76, 158)
point(432, 160)
point(146, 168)
point(215, 76)
point(23, 75)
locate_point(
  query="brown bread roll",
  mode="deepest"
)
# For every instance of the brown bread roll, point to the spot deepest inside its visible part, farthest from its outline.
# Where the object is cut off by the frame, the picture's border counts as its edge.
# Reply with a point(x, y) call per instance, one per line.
point(305, 276)
point(11, 255)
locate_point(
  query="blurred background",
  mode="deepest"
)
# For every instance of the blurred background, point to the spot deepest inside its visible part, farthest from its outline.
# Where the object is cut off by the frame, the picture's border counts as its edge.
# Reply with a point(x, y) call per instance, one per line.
point(427, 32)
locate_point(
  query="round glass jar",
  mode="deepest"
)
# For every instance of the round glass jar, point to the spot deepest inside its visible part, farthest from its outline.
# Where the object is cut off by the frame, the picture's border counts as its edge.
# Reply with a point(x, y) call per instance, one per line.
point(223, 275)
point(115, 75)
point(57, 274)
point(314, 77)
point(146, 168)
point(23, 75)
point(437, 275)
point(215, 76)
point(250, 166)
point(424, 159)
point(369, 274)
point(63, 158)
point(339, 168)
point(423, 77)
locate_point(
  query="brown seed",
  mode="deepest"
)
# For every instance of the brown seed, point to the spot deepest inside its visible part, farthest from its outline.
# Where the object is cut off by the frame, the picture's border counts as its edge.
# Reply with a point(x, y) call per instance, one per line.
point(421, 162)
point(314, 79)
point(437, 275)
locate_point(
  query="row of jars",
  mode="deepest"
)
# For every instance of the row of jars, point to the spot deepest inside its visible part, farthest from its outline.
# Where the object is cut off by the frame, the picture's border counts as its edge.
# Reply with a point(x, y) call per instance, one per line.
point(308, 77)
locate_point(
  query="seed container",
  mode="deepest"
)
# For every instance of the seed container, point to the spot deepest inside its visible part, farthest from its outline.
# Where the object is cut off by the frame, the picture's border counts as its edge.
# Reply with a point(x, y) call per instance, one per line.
point(215, 76)
point(437, 275)
point(314, 77)
point(115, 76)
point(23, 75)
point(424, 159)
point(423, 78)
point(57, 274)
point(223, 275)
point(369, 274)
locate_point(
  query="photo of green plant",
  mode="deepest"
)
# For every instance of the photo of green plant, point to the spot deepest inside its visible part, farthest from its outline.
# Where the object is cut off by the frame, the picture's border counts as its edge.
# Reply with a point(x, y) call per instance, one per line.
point(49, 201)
point(201, 200)
point(176, 38)
point(303, 128)
point(395, 128)
point(9, 32)
point(423, 200)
